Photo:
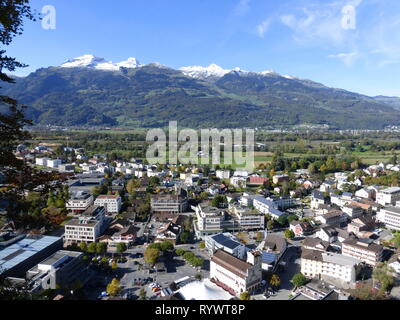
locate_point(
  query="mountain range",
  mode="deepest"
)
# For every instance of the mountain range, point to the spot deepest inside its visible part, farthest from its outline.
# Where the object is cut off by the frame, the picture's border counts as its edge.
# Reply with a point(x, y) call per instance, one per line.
point(91, 91)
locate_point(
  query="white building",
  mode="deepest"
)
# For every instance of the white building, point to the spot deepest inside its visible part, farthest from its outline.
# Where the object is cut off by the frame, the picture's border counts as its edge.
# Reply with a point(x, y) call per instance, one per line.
point(79, 201)
point(237, 275)
point(41, 162)
point(223, 174)
point(238, 181)
point(388, 196)
point(54, 163)
point(226, 242)
point(112, 203)
point(363, 249)
point(87, 227)
point(325, 265)
point(390, 216)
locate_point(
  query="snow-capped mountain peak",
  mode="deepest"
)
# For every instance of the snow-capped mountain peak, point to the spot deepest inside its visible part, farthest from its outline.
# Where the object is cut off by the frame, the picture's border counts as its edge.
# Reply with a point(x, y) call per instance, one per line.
point(93, 62)
point(212, 70)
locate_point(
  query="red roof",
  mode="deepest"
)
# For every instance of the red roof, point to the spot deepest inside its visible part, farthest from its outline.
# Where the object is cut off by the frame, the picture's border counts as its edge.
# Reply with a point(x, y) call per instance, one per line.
point(258, 180)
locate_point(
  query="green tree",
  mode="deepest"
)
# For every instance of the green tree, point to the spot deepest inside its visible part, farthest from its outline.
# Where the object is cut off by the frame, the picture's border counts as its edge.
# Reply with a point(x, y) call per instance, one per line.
point(289, 234)
point(299, 280)
point(275, 281)
point(151, 256)
point(245, 296)
point(184, 237)
point(142, 294)
point(92, 247)
point(113, 288)
point(202, 245)
point(121, 247)
point(166, 246)
point(101, 248)
point(83, 246)
point(218, 201)
point(270, 225)
point(383, 274)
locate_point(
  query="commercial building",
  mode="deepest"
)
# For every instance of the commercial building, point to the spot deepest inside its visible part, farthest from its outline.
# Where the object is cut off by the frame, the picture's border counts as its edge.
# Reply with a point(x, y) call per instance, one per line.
point(226, 242)
point(59, 270)
point(112, 203)
point(18, 258)
point(79, 201)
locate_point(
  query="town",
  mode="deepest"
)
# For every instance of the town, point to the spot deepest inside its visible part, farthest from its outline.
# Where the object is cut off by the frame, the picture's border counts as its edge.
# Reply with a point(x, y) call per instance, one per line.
point(109, 229)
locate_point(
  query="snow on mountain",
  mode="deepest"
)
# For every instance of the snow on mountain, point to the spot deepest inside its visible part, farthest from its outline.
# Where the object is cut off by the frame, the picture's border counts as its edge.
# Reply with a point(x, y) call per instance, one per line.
point(212, 70)
point(93, 62)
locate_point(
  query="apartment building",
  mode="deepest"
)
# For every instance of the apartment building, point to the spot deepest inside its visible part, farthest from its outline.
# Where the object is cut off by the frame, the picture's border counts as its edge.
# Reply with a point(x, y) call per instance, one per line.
point(211, 220)
point(79, 201)
point(223, 174)
point(352, 210)
point(248, 219)
point(325, 265)
point(112, 203)
point(169, 204)
point(388, 197)
point(390, 216)
point(363, 249)
point(87, 227)
point(236, 275)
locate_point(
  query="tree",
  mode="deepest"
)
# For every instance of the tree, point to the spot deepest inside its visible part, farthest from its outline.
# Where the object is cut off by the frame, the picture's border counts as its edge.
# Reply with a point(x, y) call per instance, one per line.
point(292, 218)
point(12, 123)
point(218, 200)
point(270, 225)
point(83, 246)
point(299, 280)
point(101, 248)
point(114, 265)
point(245, 296)
point(142, 294)
point(121, 247)
point(383, 274)
point(113, 288)
point(166, 246)
point(198, 277)
point(202, 245)
point(289, 234)
point(92, 247)
point(184, 237)
point(283, 220)
point(151, 256)
point(275, 281)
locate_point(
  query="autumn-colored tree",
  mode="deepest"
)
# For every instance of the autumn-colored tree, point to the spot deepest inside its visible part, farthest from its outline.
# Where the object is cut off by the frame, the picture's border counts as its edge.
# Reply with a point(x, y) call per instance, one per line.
point(113, 288)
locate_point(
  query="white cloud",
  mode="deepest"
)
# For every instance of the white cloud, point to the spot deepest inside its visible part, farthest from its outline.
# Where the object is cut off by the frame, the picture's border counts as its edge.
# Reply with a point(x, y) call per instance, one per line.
point(347, 58)
point(263, 27)
point(242, 7)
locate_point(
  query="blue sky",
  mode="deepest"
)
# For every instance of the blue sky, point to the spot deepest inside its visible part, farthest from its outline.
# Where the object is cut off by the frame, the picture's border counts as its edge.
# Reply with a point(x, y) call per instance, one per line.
point(303, 38)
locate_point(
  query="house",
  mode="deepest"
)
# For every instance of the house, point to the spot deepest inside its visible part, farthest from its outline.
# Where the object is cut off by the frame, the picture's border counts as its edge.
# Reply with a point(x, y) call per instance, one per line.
point(365, 223)
point(273, 248)
point(239, 181)
point(280, 178)
point(327, 233)
point(247, 219)
point(257, 181)
point(236, 275)
point(301, 228)
point(168, 232)
point(316, 244)
point(363, 249)
point(328, 185)
point(365, 193)
point(54, 163)
point(223, 174)
point(318, 198)
point(333, 218)
point(353, 210)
